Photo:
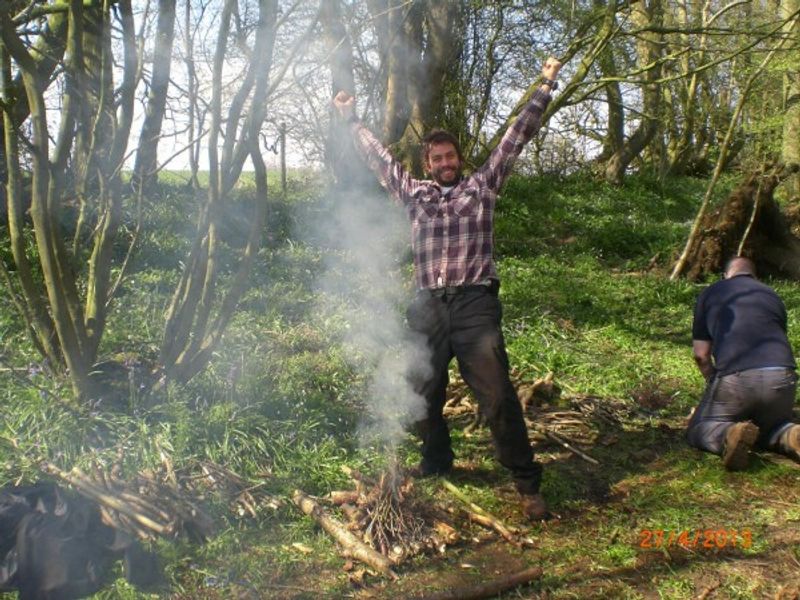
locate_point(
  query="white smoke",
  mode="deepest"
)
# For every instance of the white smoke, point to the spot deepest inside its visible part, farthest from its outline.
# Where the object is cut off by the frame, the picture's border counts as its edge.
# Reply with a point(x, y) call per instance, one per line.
point(366, 276)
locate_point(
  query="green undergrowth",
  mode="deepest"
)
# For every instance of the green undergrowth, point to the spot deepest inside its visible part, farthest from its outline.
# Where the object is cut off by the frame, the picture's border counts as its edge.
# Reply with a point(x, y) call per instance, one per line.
point(586, 296)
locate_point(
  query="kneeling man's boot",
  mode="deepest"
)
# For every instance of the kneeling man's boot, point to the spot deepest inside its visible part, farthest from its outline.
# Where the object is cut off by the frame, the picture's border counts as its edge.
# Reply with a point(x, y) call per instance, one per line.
point(739, 439)
point(790, 442)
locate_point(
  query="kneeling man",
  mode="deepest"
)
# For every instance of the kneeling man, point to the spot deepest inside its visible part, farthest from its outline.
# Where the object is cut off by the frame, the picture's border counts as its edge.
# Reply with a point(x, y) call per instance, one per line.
point(741, 348)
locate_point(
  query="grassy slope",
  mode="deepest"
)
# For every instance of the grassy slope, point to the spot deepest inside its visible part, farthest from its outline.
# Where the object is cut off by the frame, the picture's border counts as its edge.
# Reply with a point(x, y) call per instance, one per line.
point(283, 395)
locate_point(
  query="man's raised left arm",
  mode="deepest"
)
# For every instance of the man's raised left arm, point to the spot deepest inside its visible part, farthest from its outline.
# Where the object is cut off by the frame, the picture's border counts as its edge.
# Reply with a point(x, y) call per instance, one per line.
point(525, 126)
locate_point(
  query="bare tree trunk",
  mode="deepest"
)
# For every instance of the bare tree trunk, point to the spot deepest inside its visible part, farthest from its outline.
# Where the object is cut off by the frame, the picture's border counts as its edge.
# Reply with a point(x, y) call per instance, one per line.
point(57, 278)
point(615, 132)
point(195, 120)
point(47, 51)
point(110, 192)
point(339, 152)
point(144, 170)
point(405, 31)
point(193, 330)
point(32, 305)
point(645, 15)
point(790, 150)
point(438, 61)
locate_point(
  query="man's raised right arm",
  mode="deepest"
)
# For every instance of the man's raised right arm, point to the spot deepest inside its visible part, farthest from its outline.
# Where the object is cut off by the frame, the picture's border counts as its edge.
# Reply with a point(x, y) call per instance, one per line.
point(390, 173)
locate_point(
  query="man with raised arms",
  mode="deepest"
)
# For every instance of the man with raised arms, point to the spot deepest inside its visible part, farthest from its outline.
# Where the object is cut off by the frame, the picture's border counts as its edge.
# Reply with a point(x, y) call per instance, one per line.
point(456, 306)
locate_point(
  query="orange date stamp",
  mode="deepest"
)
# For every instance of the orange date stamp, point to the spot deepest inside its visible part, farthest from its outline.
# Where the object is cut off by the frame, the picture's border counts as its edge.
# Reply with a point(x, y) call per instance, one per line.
point(696, 538)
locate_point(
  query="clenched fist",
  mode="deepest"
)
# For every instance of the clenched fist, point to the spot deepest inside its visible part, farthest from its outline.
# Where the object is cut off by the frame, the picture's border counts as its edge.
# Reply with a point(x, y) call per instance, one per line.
point(344, 104)
point(551, 68)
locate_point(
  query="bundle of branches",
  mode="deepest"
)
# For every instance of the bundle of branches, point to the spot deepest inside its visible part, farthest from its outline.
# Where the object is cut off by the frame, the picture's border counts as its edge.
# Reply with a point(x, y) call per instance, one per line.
point(147, 507)
point(604, 411)
point(531, 393)
point(165, 501)
point(571, 424)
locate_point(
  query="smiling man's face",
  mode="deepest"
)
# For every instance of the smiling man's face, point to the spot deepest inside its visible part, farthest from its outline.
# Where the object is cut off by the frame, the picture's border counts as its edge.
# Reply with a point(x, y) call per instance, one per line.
point(443, 164)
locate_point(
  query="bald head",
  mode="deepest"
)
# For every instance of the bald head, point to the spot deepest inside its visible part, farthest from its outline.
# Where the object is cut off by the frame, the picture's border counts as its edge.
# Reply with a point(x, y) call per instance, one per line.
point(739, 265)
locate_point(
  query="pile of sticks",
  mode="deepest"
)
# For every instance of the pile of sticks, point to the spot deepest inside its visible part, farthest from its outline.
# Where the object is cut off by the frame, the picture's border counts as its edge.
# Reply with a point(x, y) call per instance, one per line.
point(569, 422)
point(164, 502)
point(384, 512)
point(381, 522)
point(145, 507)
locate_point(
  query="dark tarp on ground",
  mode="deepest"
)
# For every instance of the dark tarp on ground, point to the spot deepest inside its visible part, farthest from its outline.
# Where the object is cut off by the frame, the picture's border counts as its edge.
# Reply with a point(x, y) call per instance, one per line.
point(54, 546)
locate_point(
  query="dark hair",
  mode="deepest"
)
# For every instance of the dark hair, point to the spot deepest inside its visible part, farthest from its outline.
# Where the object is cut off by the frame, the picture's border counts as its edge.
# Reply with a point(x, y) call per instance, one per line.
point(439, 136)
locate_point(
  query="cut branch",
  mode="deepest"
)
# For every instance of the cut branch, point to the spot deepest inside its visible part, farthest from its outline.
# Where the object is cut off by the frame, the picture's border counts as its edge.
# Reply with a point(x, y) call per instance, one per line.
point(350, 544)
point(486, 519)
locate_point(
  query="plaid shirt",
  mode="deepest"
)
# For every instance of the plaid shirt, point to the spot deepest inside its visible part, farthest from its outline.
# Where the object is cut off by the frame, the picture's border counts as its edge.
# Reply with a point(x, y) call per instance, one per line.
point(451, 233)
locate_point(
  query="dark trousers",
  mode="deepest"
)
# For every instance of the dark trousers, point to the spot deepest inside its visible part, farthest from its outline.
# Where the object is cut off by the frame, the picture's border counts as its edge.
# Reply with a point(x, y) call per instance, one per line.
point(763, 396)
point(466, 324)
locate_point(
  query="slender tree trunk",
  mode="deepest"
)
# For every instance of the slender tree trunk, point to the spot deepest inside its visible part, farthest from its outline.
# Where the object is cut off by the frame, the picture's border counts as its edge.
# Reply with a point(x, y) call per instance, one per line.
point(790, 150)
point(46, 53)
point(144, 170)
point(339, 153)
point(615, 132)
point(193, 330)
point(56, 278)
point(195, 124)
point(404, 27)
point(644, 14)
point(32, 305)
point(439, 52)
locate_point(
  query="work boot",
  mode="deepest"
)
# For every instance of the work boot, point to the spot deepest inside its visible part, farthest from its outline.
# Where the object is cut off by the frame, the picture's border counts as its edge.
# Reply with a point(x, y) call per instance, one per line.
point(739, 439)
point(534, 507)
point(790, 442)
point(424, 469)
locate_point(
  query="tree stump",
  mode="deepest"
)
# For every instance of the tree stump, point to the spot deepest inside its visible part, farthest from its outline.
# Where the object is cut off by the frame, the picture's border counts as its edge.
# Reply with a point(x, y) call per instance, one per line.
point(749, 223)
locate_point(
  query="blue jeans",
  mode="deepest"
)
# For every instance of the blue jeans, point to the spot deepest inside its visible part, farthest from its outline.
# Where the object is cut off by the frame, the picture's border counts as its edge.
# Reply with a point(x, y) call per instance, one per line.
point(763, 396)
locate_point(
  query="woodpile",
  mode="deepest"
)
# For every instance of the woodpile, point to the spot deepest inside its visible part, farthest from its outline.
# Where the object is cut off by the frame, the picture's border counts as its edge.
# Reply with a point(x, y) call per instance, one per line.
point(164, 502)
point(382, 523)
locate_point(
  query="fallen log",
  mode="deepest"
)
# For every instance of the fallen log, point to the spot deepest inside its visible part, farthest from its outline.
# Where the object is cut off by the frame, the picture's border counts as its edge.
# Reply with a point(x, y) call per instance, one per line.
point(352, 547)
point(489, 589)
point(484, 518)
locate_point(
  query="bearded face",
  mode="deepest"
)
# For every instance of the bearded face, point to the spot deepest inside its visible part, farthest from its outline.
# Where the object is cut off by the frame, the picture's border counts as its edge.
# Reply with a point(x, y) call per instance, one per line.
point(443, 164)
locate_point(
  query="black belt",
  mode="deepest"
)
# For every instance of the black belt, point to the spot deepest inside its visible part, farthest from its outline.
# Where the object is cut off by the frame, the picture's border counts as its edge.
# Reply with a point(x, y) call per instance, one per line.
point(455, 290)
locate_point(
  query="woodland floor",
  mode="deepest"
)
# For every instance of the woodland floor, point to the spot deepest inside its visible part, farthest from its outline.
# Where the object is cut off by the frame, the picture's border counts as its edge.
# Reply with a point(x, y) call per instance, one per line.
point(648, 480)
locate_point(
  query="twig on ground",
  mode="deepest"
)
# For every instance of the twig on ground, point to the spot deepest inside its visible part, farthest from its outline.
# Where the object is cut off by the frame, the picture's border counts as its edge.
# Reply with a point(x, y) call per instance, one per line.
point(484, 518)
point(568, 446)
point(350, 544)
point(707, 592)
